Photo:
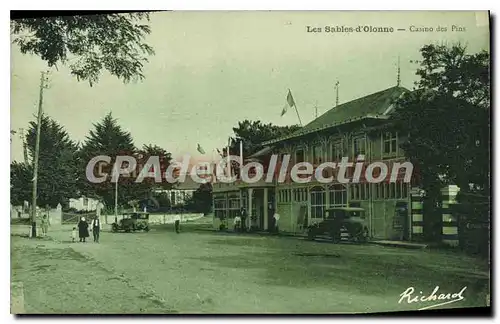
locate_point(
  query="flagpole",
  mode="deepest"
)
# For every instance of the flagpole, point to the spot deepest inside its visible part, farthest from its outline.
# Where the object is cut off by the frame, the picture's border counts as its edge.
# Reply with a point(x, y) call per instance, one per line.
point(241, 154)
point(228, 159)
point(295, 106)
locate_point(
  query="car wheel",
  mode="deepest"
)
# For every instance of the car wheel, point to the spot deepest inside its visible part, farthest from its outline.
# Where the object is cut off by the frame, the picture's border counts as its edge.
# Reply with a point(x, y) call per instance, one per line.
point(114, 228)
point(364, 235)
point(336, 238)
point(146, 229)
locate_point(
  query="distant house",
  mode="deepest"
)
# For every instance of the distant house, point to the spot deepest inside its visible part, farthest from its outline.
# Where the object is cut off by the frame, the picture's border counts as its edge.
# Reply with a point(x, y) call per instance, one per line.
point(83, 203)
point(181, 192)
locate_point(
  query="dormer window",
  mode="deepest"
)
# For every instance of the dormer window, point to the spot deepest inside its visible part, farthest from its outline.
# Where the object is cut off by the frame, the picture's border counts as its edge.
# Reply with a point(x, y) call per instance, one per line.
point(359, 146)
point(317, 155)
point(299, 156)
point(390, 143)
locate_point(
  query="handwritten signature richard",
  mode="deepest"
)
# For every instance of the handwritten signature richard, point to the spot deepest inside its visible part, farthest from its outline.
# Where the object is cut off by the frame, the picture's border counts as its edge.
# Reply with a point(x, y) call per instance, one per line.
point(411, 297)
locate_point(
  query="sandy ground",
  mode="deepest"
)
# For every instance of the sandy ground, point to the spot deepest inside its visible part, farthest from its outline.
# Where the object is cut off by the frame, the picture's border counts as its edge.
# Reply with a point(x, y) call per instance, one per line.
point(163, 272)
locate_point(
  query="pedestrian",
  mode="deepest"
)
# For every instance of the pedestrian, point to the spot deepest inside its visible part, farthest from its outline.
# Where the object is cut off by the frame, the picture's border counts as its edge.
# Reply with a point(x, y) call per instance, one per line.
point(276, 222)
point(237, 224)
point(83, 229)
point(96, 228)
point(177, 223)
point(45, 225)
point(244, 216)
point(73, 235)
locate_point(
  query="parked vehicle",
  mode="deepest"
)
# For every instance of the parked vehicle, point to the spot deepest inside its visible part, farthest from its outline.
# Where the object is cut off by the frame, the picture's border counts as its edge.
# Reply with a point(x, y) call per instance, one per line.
point(341, 219)
point(134, 221)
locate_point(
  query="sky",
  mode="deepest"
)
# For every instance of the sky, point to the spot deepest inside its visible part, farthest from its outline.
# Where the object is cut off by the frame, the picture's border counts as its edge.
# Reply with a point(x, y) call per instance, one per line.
point(213, 69)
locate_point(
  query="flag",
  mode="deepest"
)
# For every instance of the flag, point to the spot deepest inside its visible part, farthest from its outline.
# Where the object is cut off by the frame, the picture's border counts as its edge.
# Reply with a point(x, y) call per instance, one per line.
point(289, 99)
point(200, 149)
point(290, 103)
point(284, 110)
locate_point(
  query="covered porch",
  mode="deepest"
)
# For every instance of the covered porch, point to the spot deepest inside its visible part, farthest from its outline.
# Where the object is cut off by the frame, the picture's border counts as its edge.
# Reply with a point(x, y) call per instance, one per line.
point(258, 200)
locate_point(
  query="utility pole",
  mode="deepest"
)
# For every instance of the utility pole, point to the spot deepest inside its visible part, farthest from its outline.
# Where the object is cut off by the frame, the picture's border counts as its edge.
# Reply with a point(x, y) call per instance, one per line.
point(37, 152)
point(398, 81)
point(316, 110)
point(337, 94)
point(116, 194)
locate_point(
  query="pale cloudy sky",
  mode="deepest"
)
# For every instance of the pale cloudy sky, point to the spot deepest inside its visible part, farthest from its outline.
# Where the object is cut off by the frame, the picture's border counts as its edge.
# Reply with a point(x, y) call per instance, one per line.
point(213, 69)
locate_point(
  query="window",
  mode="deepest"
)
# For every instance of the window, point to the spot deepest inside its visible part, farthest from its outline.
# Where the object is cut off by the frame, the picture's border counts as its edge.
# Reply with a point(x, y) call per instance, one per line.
point(285, 195)
point(375, 188)
point(384, 191)
point(303, 194)
point(390, 143)
point(85, 202)
point(299, 194)
point(359, 191)
point(234, 206)
point(338, 196)
point(220, 207)
point(299, 156)
point(359, 146)
point(404, 190)
point(317, 155)
point(336, 152)
point(317, 202)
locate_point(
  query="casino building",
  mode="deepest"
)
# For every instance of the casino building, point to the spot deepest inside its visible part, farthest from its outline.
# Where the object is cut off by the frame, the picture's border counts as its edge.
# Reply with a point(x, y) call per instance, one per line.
point(358, 127)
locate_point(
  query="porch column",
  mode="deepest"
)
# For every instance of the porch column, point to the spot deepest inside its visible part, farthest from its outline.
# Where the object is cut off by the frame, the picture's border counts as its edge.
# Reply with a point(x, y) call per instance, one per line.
point(450, 225)
point(417, 218)
point(249, 220)
point(266, 208)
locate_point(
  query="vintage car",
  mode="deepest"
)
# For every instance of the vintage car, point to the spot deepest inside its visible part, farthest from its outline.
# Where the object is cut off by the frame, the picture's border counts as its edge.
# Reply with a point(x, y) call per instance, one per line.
point(133, 221)
point(350, 220)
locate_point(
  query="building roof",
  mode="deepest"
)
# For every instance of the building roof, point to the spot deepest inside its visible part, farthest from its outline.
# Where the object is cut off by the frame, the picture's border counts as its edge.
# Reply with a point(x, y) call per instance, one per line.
point(262, 152)
point(376, 106)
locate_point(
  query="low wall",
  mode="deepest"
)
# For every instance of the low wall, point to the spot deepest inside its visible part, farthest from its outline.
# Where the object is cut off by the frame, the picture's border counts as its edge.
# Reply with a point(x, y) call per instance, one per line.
point(155, 219)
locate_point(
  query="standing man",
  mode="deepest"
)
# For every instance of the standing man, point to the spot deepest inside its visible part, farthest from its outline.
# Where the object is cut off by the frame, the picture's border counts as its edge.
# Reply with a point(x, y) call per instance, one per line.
point(96, 228)
point(276, 222)
point(177, 223)
point(243, 220)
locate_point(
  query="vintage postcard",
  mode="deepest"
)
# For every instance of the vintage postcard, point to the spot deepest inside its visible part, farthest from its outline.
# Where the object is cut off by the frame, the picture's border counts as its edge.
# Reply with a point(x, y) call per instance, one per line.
point(244, 162)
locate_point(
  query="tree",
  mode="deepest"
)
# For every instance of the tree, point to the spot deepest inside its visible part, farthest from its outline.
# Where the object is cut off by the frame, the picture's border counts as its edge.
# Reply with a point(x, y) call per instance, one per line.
point(88, 44)
point(201, 201)
point(109, 139)
point(58, 161)
point(447, 121)
point(20, 183)
point(165, 158)
point(254, 133)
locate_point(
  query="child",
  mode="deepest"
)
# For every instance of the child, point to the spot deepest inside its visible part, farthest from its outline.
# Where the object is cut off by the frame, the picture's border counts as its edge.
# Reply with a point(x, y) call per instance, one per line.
point(73, 234)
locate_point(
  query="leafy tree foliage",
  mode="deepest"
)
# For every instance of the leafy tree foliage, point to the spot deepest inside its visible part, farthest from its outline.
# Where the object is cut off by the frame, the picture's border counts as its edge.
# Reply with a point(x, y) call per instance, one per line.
point(447, 121)
point(88, 44)
point(165, 158)
point(254, 133)
point(201, 201)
